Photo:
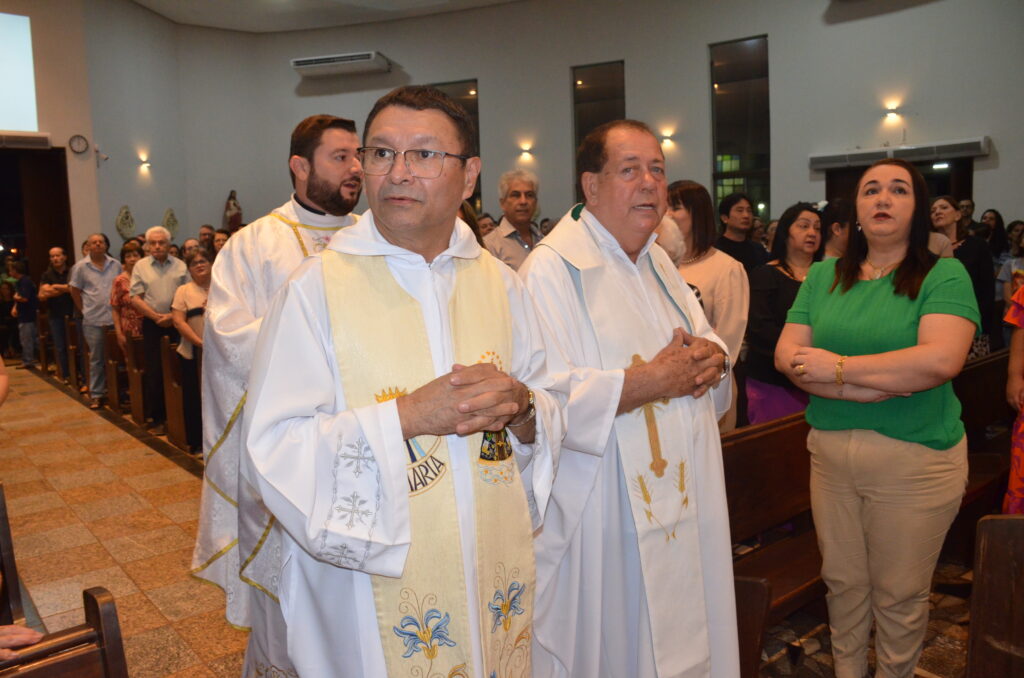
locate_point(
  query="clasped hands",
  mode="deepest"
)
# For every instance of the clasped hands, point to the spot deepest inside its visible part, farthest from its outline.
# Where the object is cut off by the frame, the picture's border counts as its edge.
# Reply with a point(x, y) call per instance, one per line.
point(690, 365)
point(466, 400)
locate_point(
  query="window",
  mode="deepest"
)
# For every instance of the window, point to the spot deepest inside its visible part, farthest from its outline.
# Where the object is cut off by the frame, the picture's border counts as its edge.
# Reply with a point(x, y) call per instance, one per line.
point(739, 115)
point(465, 93)
point(598, 96)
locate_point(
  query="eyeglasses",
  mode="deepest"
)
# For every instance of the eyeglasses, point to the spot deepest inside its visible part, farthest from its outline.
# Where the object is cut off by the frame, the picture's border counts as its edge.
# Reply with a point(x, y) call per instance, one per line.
point(421, 163)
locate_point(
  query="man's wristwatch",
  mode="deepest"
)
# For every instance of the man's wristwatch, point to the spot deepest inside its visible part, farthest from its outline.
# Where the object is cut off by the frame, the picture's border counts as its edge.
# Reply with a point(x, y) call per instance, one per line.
point(531, 412)
point(726, 369)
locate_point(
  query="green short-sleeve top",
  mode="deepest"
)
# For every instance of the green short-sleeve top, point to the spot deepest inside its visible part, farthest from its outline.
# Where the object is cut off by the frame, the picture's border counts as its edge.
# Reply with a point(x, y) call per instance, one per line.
point(871, 318)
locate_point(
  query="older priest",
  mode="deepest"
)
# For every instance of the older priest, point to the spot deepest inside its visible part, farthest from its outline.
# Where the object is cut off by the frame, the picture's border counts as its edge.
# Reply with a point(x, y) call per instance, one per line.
point(376, 425)
point(634, 566)
point(235, 548)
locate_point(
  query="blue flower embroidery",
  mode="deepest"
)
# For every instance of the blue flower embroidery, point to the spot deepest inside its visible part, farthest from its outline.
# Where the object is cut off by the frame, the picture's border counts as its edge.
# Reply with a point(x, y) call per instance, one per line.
point(507, 605)
point(426, 636)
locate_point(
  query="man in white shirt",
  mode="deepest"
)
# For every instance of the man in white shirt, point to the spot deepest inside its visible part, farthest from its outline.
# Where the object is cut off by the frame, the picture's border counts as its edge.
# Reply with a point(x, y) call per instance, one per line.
point(396, 424)
point(234, 548)
point(516, 235)
point(155, 279)
point(634, 566)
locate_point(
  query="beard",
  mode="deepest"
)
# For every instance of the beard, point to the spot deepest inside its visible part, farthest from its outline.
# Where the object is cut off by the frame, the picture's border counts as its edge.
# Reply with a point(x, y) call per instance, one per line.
point(328, 197)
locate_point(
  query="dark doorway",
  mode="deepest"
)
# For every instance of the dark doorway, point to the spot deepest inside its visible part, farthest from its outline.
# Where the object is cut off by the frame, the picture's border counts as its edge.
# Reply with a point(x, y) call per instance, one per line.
point(944, 177)
point(35, 205)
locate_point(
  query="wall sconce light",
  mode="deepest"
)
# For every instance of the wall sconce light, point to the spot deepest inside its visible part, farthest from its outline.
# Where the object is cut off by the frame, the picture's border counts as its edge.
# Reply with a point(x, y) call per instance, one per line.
point(667, 140)
point(146, 164)
point(892, 114)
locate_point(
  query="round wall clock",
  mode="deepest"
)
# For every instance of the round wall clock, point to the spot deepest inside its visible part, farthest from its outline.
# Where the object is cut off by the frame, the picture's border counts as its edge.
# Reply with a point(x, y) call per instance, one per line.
point(78, 144)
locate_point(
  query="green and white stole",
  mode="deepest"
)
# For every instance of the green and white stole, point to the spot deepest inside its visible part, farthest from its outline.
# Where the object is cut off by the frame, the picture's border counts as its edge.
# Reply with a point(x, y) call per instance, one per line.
point(383, 352)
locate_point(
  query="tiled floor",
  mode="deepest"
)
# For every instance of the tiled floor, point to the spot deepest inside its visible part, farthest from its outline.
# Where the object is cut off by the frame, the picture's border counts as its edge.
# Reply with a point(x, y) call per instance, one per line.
point(91, 505)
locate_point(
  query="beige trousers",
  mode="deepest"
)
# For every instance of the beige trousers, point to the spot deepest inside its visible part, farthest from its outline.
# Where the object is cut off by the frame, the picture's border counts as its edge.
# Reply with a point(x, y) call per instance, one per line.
point(882, 508)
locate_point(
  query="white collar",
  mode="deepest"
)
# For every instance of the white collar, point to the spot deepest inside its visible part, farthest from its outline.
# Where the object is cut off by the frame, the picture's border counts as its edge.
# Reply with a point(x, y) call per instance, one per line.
point(364, 239)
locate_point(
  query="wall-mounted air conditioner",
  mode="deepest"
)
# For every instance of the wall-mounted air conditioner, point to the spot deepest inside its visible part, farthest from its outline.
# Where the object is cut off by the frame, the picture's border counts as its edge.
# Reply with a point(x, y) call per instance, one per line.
point(24, 140)
point(342, 64)
point(943, 150)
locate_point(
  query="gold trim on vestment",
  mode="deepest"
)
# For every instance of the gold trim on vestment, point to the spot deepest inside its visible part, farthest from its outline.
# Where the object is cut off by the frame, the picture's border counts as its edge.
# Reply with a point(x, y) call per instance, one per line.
point(255, 552)
point(245, 629)
point(295, 226)
point(214, 557)
point(227, 427)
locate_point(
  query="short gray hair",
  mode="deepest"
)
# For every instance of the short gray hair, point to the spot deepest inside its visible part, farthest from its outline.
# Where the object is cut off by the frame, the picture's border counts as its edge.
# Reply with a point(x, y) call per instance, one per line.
point(516, 175)
point(158, 229)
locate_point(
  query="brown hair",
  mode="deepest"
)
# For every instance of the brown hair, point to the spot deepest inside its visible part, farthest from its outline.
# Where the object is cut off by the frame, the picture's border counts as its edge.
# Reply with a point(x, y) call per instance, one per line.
point(911, 272)
point(697, 201)
point(197, 252)
point(423, 98)
point(307, 135)
point(592, 153)
point(961, 229)
point(131, 246)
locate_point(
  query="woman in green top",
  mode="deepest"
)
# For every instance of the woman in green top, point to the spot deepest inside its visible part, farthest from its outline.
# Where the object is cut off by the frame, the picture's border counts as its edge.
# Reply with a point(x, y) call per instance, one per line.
point(875, 337)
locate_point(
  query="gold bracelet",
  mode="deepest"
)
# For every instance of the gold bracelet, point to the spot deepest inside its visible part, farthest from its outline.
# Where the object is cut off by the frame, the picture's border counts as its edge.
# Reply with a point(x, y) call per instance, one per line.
point(839, 370)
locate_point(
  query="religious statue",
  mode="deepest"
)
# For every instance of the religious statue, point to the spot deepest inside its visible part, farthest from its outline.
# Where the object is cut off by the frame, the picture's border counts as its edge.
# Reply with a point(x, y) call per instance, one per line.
point(125, 223)
point(170, 222)
point(232, 213)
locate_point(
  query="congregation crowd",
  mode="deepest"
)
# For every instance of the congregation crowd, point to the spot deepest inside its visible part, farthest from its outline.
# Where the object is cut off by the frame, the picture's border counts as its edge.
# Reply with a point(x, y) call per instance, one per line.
point(588, 378)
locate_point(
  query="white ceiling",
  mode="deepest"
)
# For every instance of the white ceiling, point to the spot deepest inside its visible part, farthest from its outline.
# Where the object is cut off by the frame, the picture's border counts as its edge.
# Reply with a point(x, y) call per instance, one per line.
point(265, 16)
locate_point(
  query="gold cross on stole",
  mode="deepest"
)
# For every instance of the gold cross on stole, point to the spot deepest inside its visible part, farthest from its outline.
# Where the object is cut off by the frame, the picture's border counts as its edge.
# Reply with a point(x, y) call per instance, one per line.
point(658, 463)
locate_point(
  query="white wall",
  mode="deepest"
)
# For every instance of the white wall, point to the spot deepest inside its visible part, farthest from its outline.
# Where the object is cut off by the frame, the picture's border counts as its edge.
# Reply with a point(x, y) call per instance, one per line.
point(133, 78)
point(62, 96)
point(215, 108)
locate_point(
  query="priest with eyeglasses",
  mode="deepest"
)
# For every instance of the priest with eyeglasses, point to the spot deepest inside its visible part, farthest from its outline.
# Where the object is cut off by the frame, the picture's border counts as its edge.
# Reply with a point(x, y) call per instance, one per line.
point(399, 428)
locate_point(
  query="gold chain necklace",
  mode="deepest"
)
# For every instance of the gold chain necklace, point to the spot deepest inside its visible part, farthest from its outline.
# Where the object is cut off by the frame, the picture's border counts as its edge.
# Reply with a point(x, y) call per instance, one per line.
point(880, 271)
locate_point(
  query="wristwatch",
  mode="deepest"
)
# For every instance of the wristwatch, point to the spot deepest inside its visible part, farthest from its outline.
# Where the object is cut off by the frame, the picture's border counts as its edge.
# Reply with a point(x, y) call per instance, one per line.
point(531, 411)
point(726, 369)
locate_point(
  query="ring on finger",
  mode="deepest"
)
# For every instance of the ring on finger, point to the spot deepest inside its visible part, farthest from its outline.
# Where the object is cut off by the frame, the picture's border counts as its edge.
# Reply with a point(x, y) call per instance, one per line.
point(800, 368)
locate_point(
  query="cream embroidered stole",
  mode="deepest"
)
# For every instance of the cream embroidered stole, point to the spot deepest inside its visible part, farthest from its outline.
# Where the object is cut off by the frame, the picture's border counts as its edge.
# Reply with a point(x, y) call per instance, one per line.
point(383, 352)
point(656, 450)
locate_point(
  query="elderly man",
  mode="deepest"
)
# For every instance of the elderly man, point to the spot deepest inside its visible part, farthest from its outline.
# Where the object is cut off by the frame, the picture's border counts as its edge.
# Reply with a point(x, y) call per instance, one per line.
point(91, 281)
point(634, 564)
point(391, 429)
point(254, 263)
point(516, 235)
point(155, 279)
point(56, 292)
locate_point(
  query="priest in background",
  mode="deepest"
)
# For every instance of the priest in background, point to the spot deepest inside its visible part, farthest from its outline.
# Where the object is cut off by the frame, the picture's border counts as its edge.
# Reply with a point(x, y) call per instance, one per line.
point(397, 425)
point(634, 564)
point(235, 548)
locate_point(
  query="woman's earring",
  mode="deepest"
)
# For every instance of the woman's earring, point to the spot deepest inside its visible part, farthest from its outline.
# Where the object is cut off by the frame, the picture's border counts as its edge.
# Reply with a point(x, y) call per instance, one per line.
point(858, 225)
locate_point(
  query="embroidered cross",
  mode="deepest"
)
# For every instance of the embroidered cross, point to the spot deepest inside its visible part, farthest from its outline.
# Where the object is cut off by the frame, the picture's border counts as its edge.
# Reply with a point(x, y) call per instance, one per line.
point(353, 510)
point(658, 463)
point(342, 555)
point(358, 456)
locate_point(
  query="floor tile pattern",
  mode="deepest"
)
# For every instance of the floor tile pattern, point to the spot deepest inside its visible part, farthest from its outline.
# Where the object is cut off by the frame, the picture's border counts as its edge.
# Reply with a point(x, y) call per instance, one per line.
point(92, 505)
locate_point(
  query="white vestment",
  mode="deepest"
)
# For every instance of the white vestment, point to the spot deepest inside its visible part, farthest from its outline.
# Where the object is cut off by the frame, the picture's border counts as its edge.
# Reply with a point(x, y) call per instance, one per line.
point(248, 271)
point(335, 478)
point(596, 600)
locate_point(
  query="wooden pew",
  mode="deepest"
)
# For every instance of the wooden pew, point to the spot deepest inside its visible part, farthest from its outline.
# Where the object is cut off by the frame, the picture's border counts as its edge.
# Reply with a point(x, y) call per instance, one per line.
point(12, 610)
point(91, 650)
point(45, 347)
point(981, 389)
point(767, 480)
point(77, 355)
point(174, 402)
point(997, 600)
point(116, 371)
point(136, 361)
